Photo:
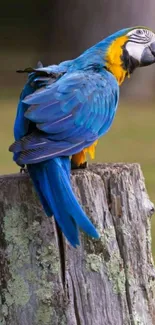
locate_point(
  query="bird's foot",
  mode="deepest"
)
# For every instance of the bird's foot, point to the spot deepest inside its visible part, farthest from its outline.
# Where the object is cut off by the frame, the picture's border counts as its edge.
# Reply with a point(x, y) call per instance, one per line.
point(81, 166)
point(23, 170)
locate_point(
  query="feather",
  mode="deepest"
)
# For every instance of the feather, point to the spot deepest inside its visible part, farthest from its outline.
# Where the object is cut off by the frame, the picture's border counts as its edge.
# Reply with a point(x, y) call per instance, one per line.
point(50, 150)
point(52, 182)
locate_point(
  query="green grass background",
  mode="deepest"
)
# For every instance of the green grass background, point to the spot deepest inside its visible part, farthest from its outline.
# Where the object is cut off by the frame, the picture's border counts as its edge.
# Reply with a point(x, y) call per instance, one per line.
point(131, 139)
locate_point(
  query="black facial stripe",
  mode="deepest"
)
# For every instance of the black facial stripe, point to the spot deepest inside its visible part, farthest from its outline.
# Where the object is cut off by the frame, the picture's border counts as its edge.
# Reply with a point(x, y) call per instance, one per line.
point(137, 41)
point(140, 36)
point(145, 39)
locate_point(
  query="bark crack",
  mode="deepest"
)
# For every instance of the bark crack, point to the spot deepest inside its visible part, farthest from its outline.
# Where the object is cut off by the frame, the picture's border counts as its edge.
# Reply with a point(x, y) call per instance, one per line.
point(76, 309)
point(62, 255)
point(127, 292)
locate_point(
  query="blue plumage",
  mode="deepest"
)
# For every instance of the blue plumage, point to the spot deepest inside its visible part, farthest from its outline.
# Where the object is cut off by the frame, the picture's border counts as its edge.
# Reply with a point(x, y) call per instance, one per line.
point(62, 110)
point(85, 112)
point(52, 181)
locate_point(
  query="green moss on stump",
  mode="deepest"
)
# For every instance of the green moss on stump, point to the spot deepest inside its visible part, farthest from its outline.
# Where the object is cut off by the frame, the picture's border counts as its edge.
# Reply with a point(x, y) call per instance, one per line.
point(19, 235)
point(107, 258)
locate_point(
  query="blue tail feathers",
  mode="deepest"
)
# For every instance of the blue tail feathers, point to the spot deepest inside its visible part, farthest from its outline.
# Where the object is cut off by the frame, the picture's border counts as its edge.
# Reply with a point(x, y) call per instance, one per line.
point(52, 183)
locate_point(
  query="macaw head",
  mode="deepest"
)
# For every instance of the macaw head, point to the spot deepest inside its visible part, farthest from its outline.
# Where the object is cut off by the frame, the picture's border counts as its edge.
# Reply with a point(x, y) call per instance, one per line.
point(139, 47)
point(121, 52)
point(128, 49)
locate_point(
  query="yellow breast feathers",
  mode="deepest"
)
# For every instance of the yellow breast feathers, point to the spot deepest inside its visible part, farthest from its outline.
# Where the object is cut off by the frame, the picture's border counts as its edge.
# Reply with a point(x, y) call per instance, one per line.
point(113, 59)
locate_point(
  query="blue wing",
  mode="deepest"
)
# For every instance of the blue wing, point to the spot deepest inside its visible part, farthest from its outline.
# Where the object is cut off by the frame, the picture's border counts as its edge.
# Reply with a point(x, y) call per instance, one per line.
point(68, 115)
point(37, 78)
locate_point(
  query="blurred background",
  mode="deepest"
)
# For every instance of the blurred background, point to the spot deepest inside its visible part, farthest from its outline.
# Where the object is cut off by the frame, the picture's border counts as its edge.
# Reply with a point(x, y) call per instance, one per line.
point(56, 30)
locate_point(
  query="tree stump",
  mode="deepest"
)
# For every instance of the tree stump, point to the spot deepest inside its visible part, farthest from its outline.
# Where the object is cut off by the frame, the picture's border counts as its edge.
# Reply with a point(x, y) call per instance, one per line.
point(110, 281)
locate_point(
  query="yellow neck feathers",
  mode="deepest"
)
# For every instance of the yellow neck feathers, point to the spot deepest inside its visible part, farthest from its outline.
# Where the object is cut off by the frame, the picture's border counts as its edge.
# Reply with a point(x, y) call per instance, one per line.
point(113, 59)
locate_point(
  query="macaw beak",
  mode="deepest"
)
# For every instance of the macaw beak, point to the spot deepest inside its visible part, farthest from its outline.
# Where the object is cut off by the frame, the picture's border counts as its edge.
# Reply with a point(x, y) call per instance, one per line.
point(148, 55)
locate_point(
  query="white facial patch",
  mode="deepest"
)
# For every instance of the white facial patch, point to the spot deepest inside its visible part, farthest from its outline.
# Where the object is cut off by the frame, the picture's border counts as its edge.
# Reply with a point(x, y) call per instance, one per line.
point(135, 50)
point(139, 39)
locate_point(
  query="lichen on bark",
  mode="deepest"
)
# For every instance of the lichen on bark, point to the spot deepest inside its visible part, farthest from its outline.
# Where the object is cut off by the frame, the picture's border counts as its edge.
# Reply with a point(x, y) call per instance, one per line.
point(44, 281)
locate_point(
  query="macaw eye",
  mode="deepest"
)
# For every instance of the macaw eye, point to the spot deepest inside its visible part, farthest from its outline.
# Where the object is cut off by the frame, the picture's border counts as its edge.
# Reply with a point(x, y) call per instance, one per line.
point(139, 32)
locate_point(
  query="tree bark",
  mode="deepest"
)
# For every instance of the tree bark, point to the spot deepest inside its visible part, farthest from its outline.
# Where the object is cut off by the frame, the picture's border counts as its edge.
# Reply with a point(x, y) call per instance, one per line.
point(44, 281)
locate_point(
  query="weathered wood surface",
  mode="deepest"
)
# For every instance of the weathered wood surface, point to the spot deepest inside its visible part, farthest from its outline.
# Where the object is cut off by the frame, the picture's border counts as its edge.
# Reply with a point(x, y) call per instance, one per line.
point(111, 281)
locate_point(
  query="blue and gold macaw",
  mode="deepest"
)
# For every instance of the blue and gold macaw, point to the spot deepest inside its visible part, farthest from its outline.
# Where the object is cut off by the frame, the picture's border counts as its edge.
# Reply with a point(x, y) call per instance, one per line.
point(64, 109)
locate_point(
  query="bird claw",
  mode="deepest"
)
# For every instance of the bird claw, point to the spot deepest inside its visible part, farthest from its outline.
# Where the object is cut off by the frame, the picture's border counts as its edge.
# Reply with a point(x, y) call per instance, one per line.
point(84, 165)
point(81, 166)
point(23, 170)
